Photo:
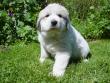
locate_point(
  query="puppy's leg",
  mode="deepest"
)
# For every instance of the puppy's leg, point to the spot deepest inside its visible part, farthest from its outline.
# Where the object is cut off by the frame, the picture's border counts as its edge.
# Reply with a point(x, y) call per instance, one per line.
point(44, 54)
point(61, 62)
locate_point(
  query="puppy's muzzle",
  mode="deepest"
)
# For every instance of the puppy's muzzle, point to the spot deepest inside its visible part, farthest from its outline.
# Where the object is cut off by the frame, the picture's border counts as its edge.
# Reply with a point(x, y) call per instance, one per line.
point(54, 23)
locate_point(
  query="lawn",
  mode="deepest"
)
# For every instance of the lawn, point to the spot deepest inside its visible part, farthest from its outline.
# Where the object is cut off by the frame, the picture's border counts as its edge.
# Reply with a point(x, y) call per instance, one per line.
point(19, 63)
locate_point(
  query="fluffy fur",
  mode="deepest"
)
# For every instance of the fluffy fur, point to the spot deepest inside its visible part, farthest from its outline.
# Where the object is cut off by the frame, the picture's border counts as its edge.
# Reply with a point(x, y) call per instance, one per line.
point(59, 38)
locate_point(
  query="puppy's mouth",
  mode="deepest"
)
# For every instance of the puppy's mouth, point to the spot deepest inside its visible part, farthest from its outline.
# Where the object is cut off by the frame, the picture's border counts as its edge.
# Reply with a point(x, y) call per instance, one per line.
point(50, 30)
point(53, 29)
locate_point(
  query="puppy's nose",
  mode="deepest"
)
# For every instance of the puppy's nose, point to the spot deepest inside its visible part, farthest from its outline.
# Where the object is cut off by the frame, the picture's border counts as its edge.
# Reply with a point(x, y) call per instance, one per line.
point(54, 22)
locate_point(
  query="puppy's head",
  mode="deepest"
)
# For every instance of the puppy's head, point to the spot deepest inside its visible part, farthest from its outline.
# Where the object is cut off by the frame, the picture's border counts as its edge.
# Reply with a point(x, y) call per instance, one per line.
point(53, 17)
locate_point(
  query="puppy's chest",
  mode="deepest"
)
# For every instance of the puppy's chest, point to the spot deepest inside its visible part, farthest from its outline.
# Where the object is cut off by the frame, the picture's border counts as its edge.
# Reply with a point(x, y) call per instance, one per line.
point(52, 46)
point(55, 46)
point(51, 49)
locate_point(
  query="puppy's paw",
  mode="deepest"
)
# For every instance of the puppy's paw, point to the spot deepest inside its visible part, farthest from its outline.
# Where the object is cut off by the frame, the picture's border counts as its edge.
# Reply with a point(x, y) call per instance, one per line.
point(42, 60)
point(58, 73)
point(85, 60)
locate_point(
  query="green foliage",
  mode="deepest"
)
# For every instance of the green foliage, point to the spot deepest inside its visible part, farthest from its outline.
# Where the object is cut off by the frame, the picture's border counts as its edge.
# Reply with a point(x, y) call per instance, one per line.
point(97, 23)
point(27, 33)
point(90, 17)
point(7, 28)
point(17, 19)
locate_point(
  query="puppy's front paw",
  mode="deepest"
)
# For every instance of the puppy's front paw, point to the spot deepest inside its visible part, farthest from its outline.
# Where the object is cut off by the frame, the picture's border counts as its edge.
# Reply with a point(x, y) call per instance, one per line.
point(58, 73)
point(42, 60)
point(85, 60)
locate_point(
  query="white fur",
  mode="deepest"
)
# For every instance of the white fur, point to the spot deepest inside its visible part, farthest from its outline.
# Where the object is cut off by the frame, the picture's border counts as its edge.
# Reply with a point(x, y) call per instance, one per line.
point(62, 41)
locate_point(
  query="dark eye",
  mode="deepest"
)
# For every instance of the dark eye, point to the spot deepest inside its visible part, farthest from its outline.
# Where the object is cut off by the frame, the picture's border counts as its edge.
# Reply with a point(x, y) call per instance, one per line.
point(60, 15)
point(47, 15)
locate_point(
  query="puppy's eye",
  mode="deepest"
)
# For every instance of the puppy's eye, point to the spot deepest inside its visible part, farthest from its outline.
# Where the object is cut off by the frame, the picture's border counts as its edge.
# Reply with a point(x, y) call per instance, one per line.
point(60, 15)
point(47, 15)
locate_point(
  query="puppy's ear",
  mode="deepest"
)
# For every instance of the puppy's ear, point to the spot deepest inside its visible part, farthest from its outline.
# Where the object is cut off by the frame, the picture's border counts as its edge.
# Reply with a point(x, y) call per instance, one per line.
point(38, 24)
point(68, 24)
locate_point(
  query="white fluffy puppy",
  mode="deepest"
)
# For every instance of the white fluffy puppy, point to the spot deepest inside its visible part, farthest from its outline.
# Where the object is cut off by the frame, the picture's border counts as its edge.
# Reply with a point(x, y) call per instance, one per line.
point(59, 38)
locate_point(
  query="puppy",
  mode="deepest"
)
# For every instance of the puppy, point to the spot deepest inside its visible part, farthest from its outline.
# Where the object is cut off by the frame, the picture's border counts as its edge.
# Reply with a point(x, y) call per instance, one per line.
point(59, 38)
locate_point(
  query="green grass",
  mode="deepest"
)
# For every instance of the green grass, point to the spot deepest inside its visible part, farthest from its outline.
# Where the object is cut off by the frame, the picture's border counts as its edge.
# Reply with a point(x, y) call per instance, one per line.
point(19, 63)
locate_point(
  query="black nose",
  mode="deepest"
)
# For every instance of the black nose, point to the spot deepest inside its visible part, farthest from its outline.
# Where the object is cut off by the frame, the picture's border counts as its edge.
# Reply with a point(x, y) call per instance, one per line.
point(54, 22)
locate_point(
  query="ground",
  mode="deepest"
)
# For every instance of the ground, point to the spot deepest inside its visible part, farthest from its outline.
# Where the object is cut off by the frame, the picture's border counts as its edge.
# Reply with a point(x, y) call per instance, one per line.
point(19, 63)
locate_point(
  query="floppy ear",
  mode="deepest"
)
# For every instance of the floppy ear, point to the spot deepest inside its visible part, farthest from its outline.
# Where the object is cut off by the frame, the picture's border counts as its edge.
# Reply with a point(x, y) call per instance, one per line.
point(38, 24)
point(68, 24)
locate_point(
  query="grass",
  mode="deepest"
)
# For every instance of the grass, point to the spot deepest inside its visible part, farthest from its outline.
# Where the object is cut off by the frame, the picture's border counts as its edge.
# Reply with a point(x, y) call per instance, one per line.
point(19, 63)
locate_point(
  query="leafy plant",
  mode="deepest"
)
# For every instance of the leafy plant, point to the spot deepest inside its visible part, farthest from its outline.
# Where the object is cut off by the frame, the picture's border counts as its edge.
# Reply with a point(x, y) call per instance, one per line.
point(17, 19)
point(27, 33)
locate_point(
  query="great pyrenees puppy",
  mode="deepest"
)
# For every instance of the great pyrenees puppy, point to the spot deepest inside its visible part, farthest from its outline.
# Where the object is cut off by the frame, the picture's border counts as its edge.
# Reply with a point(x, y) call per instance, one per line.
point(59, 38)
